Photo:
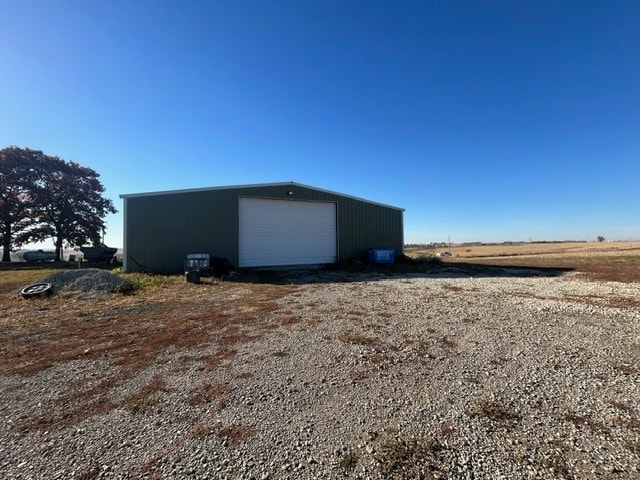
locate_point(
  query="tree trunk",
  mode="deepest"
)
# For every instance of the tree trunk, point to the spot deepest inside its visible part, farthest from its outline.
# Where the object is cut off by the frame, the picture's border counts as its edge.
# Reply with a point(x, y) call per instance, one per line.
point(6, 243)
point(58, 249)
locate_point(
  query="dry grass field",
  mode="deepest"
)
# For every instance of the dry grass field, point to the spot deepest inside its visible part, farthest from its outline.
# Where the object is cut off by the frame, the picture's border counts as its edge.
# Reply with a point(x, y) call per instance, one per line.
point(614, 261)
point(130, 330)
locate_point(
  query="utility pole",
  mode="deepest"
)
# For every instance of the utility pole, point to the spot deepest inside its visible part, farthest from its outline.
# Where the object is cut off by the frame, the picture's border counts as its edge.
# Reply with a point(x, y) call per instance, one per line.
point(449, 237)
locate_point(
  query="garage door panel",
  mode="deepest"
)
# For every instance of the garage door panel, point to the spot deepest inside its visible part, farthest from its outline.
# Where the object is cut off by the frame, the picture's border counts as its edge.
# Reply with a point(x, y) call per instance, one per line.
point(286, 232)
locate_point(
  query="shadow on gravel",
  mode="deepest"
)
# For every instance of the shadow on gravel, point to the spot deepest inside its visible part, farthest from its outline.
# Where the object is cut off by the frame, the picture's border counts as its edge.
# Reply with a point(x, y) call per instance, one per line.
point(342, 273)
point(347, 273)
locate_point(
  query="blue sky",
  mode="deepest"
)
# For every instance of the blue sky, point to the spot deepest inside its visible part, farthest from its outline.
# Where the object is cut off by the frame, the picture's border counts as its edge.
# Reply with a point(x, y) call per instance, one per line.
point(486, 121)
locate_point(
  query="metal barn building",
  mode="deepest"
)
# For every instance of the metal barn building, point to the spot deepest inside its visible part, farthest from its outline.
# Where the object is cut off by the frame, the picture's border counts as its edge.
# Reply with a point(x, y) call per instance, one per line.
point(273, 224)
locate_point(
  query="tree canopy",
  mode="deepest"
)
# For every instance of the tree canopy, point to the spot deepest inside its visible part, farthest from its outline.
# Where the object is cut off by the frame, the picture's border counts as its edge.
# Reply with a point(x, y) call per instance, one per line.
point(18, 175)
point(43, 197)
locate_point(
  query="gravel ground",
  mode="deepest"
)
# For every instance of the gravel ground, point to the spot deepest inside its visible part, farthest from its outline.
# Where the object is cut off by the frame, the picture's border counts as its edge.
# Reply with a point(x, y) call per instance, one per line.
point(416, 376)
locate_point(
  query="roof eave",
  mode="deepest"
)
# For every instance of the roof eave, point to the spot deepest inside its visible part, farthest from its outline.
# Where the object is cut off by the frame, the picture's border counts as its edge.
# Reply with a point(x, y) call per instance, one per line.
point(255, 185)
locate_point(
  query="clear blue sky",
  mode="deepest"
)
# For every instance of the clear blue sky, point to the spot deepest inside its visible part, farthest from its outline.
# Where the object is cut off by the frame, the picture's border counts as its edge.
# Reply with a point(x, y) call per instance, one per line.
point(486, 121)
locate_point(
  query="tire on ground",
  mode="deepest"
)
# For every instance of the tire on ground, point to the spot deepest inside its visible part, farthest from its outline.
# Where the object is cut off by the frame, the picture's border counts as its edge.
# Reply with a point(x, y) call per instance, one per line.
point(36, 290)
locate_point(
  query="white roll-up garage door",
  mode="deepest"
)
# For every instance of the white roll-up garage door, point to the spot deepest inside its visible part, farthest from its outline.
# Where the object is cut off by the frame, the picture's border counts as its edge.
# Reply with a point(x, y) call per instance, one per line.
point(286, 232)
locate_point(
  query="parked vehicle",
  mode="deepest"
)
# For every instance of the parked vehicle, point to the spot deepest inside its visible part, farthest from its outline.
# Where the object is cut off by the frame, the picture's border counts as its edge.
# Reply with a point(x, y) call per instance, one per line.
point(33, 256)
point(99, 254)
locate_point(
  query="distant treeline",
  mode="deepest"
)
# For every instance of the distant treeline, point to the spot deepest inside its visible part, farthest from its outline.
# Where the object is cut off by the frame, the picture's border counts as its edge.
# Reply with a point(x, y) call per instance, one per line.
point(478, 244)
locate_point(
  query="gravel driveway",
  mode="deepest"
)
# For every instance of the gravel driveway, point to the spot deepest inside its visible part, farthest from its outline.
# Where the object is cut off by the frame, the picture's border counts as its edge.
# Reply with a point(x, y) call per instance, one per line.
point(370, 376)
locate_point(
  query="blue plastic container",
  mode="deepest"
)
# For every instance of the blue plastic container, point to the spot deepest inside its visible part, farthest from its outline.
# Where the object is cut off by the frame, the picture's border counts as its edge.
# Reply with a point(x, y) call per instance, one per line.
point(382, 255)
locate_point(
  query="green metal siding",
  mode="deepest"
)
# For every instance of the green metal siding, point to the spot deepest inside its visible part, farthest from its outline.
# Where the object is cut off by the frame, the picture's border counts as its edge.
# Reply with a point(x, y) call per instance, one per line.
point(161, 229)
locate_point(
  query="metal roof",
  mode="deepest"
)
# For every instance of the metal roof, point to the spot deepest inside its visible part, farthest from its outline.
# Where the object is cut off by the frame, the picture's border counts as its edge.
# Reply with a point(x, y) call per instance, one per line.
point(256, 185)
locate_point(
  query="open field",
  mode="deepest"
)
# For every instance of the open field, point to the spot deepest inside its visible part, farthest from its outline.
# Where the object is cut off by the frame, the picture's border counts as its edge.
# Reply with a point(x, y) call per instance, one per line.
point(615, 261)
point(445, 370)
